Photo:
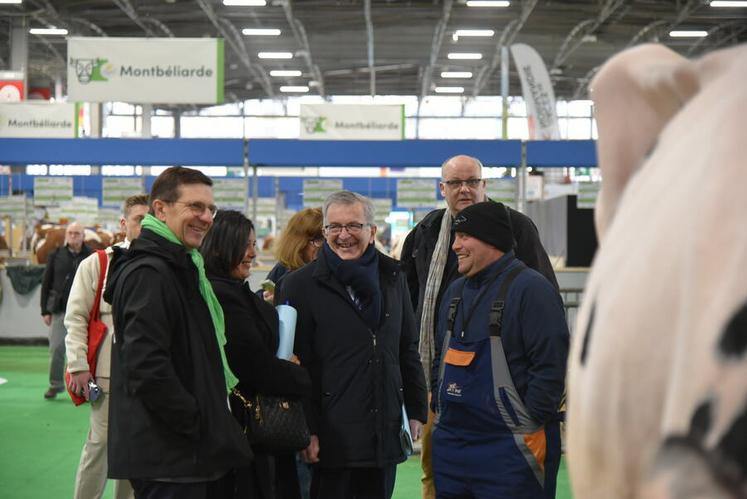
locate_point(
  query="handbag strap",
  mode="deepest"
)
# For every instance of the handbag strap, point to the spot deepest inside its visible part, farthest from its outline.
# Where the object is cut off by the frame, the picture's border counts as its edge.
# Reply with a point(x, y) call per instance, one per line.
point(103, 261)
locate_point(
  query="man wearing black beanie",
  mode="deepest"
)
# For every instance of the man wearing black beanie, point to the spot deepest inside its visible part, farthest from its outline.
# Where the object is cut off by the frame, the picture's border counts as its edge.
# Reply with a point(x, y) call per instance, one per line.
point(499, 369)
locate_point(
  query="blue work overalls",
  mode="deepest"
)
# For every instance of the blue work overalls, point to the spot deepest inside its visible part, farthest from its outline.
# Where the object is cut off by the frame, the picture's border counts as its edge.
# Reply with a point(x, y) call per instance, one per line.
point(485, 444)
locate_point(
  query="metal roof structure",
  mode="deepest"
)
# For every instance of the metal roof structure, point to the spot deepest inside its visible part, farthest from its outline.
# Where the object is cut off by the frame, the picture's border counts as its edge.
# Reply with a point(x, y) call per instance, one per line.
point(381, 47)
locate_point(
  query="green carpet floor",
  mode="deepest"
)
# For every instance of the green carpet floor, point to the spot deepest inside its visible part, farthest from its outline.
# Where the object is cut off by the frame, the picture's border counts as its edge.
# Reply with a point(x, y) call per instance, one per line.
point(40, 440)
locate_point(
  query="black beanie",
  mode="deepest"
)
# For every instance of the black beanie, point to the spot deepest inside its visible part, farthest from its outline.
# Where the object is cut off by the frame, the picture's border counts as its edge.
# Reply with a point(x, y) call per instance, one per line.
point(487, 221)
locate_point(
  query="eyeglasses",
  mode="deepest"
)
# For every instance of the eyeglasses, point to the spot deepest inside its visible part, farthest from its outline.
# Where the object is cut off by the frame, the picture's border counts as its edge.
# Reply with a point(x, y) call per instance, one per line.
point(352, 228)
point(199, 208)
point(317, 242)
point(457, 184)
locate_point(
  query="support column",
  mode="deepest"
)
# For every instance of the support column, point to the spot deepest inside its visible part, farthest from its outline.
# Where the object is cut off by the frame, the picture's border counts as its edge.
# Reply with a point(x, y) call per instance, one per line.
point(145, 120)
point(19, 49)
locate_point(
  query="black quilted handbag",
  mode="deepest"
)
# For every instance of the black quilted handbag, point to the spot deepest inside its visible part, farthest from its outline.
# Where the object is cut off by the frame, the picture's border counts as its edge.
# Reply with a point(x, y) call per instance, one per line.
point(273, 423)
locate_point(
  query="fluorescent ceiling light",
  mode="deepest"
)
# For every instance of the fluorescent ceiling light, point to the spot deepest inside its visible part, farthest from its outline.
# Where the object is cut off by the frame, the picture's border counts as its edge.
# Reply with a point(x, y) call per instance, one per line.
point(487, 3)
point(465, 55)
point(245, 3)
point(294, 89)
point(728, 3)
point(48, 31)
point(474, 32)
point(260, 31)
point(285, 72)
point(449, 90)
point(688, 34)
point(11, 1)
point(275, 55)
point(456, 74)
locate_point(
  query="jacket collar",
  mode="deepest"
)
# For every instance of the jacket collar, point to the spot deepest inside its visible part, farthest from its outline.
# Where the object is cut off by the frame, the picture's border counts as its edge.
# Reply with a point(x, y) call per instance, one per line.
point(150, 243)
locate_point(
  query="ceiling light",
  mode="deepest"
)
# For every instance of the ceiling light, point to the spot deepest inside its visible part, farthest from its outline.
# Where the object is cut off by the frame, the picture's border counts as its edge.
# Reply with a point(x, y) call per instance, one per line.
point(285, 72)
point(449, 90)
point(260, 31)
point(487, 3)
point(465, 55)
point(688, 34)
point(48, 31)
point(11, 1)
point(275, 55)
point(456, 74)
point(474, 32)
point(729, 3)
point(288, 89)
point(245, 3)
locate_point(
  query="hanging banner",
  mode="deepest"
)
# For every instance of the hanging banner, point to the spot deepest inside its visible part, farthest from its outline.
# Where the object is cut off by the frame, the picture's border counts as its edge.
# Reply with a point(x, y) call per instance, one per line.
point(38, 119)
point(315, 191)
point(16, 207)
point(382, 208)
point(416, 193)
point(538, 93)
point(352, 122)
point(230, 193)
point(502, 190)
point(81, 209)
point(52, 190)
point(116, 190)
point(587, 194)
point(11, 86)
point(145, 70)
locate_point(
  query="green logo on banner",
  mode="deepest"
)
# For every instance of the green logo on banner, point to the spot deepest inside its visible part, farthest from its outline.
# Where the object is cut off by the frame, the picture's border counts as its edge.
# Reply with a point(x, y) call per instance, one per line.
point(88, 70)
point(314, 125)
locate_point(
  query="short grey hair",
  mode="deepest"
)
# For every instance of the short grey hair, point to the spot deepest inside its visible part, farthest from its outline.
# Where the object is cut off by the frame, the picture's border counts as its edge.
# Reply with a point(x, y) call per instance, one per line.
point(350, 198)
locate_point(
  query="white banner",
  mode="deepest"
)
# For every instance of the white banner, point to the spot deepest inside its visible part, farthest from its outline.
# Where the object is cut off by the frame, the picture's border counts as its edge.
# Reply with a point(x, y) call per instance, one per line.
point(230, 193)
point(52, 190)
point(538, 93)
point(352, 122)
point(81, 209)
point(416, 193)
point(315, 191)
point(502, 190)
point(587, 194)
point(116, 190)
point(145, 70)
point(16, 207)
point(382, 208)
point(38, 119)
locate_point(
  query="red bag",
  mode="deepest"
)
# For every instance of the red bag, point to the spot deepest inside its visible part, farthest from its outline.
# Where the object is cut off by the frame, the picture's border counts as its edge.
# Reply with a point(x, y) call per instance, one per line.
point(96, 328)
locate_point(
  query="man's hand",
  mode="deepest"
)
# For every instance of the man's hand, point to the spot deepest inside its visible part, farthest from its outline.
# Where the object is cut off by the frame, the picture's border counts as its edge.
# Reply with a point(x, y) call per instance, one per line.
point(295, 359)
point(269, 296)
point(47, 318)
point(310, 454)
point(79, 383)
point(416, 429)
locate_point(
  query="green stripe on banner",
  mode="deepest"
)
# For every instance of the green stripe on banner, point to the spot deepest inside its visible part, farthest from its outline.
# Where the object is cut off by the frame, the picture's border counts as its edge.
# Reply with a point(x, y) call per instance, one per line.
point(219, 72)
point(403, 121)
point(76, 118)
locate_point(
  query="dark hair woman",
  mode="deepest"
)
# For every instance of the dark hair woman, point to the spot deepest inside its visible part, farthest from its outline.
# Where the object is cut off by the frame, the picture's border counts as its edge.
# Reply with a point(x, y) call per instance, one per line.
point(251, 343)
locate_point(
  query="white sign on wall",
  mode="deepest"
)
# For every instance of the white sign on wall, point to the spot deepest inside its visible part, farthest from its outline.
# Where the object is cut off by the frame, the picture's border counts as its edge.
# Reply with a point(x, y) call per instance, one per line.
point(587, 194)
point(84, 210)
point(38, 119)
point(382, 208)
point(230, 193)
point(416, 193)
point(143, 70)
point(116, 190)
point(352, 122)
point(503, 190)
point(52, 190)
point(16, 207)
point(315, 191)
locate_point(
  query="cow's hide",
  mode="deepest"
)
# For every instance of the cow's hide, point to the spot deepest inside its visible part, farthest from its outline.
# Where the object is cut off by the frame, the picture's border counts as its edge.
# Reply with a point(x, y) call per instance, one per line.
point(3, 244)
point(49, 237)
point(658, 368)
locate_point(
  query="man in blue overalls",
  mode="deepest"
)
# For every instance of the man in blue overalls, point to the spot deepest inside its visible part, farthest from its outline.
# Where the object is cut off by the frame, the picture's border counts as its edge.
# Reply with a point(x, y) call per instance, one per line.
point(499, 369)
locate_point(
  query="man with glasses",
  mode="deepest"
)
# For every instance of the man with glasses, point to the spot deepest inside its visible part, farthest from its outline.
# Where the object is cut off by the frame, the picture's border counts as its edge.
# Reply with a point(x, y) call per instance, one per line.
point(431, 265)
point(170, 430)
point(356, 335)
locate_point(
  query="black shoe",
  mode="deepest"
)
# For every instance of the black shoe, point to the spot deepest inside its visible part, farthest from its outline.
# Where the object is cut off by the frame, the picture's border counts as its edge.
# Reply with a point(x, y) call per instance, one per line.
point(52, 393)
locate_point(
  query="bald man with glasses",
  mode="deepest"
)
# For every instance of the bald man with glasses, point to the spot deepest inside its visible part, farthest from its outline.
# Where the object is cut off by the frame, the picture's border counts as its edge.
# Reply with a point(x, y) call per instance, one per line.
point(431, 265)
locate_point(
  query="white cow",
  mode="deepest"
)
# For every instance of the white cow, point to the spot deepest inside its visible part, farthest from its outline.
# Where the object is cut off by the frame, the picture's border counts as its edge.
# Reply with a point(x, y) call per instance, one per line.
point(657, 387)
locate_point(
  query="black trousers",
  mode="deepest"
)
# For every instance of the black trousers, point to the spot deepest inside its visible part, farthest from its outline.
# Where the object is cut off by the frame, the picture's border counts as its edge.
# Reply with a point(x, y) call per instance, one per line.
point(150, 489)
point(354, 483)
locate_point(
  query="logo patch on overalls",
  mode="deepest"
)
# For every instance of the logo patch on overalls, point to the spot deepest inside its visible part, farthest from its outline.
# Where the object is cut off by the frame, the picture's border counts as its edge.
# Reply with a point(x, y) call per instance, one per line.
point(454, 390)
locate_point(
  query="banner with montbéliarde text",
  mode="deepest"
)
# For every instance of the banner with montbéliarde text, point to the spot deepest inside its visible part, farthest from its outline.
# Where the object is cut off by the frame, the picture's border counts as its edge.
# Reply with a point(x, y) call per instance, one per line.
point(145, 70)
point(38, 119)
point(352, 122)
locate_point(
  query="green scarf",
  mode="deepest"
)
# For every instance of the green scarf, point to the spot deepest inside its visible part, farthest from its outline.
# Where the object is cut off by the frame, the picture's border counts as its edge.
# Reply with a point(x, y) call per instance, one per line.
point(206, 290)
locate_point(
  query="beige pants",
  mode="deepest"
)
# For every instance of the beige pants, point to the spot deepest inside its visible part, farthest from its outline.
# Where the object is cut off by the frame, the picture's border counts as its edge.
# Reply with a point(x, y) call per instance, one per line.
point(90, 480)
point(429, 488)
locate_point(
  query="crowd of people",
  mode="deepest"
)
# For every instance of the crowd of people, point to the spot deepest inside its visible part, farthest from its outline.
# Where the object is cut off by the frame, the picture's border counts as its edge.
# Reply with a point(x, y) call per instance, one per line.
point(461, 343)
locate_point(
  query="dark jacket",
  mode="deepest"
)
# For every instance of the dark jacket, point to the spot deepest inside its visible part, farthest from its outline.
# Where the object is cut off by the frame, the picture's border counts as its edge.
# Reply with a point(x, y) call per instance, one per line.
point(168, 411)
point(360, 376)
point(417, 252)
point(534, 332)
point(58, 278)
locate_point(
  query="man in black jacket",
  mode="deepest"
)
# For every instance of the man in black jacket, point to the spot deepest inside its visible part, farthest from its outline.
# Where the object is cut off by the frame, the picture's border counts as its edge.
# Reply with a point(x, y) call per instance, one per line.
point(431, 265)
point(356, 335)
point(56, 284)
point(170, 430)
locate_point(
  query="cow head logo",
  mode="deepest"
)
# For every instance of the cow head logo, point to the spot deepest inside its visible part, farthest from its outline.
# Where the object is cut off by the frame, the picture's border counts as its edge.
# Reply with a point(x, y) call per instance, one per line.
point(314, 124)
point(88, 70)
